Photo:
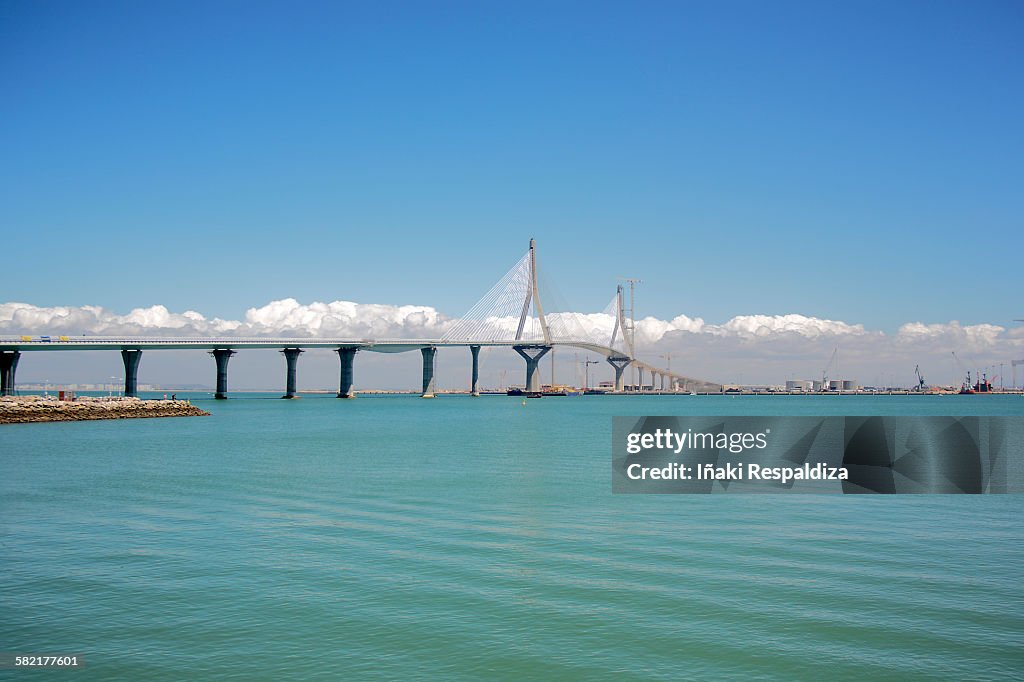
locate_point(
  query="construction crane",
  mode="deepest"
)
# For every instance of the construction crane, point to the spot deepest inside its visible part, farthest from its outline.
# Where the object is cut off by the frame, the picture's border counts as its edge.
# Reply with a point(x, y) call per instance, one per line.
point(668, 359)
point(834, 360)
point(920, 379)
point(586, 379)
point(967, 383)
point(1014, 363)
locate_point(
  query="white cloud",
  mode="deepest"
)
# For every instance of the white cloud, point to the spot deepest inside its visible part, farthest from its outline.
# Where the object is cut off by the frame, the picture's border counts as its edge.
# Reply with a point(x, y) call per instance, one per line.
point(345, 319)
point(761, 326)
point(651, 330)
point(286, 317)
point(30, 319)
point(974, 336)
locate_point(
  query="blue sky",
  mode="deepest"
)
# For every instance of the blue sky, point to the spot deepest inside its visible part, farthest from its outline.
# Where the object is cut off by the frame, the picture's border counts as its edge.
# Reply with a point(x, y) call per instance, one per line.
point(861, 162)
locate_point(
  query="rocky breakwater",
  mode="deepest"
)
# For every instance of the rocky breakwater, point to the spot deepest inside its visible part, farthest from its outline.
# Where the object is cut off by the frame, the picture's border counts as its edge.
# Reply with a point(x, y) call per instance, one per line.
point(24, 409)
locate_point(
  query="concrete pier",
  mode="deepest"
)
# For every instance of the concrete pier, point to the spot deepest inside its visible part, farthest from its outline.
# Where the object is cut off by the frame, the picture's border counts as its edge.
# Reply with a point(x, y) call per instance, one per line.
point(8, 366)
point(291, 356)
point(532, 362)
point(619, 364)
point(639, 378)
point(131, 360)
point(347, 354)
point(222, 355)
point(429, 352)
point(474, 387)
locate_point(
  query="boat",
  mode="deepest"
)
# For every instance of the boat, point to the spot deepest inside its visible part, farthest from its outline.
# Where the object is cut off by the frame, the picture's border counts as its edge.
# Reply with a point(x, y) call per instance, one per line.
point(557, 390)
point(520, 393)
point(981, 385)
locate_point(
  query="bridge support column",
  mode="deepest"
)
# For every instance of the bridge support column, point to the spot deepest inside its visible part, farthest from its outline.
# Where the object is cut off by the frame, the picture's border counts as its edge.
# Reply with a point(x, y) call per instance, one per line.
point(291, 357)
point(619, 364)
point(131, 360)
point(8, 365)
point(639, 378)
point(429, 352)
point(474, 388)
point(532, 362)
point(222, 355)
point(347, 355)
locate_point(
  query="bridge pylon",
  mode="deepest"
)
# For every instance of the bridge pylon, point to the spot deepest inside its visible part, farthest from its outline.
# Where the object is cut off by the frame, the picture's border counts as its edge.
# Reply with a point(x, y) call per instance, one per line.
point(533, 294)
point(429, 356)
point(8, 367)
point(221, 356)
point(347, 356)
point(291, 358)
point(619, 363)
point(532, 362)
point(474, 384)
point(131, 358)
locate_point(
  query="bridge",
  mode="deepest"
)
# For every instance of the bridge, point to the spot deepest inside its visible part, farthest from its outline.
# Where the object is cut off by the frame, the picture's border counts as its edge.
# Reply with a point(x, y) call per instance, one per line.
point(510, 315)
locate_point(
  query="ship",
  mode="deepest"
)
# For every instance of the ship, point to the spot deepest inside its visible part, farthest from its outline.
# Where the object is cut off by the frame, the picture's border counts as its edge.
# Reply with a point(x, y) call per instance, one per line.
point(982, 385)
point(520, 393)
point(560, 390)
point(545, 390)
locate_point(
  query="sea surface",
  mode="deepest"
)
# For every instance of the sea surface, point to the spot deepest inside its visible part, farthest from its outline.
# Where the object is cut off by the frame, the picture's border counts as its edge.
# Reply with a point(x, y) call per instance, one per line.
point(396, 538)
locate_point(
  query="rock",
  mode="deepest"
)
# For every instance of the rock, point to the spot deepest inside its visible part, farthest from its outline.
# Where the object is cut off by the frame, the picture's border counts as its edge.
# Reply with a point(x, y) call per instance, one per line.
point(26, 409)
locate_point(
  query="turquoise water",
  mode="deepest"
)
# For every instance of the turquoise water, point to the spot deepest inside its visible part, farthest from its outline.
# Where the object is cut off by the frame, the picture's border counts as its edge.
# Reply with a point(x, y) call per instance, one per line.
point(459, 538)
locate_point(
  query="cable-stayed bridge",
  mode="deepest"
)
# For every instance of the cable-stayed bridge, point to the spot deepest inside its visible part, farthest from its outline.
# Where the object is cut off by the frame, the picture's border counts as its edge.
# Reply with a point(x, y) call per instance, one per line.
point(512, 314)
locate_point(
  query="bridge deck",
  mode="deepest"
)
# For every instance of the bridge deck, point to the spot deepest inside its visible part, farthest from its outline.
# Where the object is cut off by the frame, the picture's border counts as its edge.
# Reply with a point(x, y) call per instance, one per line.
point(80, 343)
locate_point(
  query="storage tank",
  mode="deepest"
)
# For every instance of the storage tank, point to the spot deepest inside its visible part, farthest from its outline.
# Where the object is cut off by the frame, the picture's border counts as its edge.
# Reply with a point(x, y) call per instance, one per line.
point(850, 384)
point(816, 385)
point(835, 384)
point(798, 385)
